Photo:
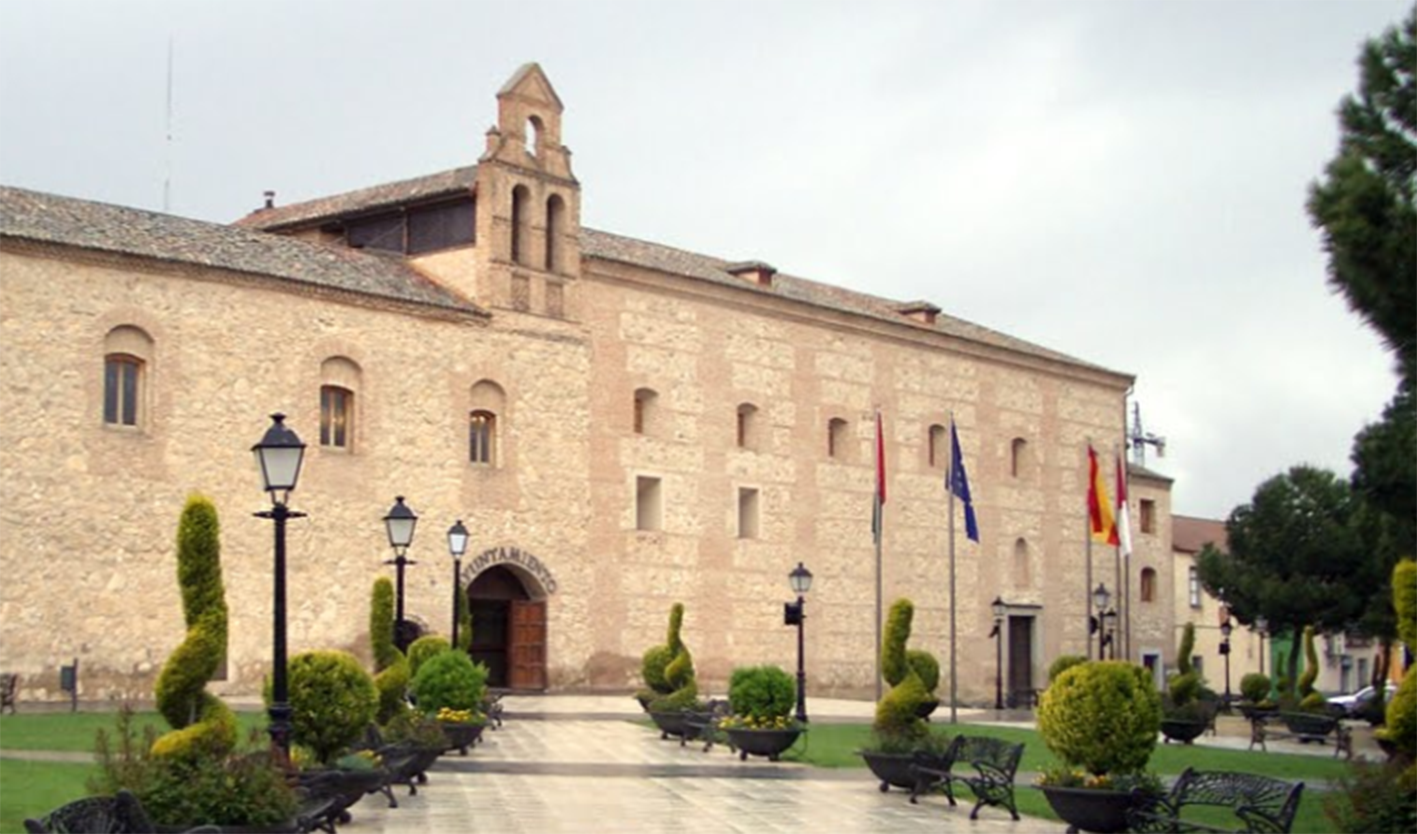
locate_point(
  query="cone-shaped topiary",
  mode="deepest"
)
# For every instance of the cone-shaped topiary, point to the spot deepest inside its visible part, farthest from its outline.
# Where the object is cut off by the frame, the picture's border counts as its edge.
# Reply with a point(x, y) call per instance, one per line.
point(201, 723)
point(1101, 716)
point(391, 670)
point(425, 647)
point(897, 714)
point(679, 673)
point(332, 701)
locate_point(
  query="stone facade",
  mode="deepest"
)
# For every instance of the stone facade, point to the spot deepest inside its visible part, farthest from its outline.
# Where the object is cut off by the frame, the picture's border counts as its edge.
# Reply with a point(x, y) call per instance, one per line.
point(555, 329)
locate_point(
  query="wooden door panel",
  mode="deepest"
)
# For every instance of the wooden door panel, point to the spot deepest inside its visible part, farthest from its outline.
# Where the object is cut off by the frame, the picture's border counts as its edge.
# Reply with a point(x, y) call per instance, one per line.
point(527, 645)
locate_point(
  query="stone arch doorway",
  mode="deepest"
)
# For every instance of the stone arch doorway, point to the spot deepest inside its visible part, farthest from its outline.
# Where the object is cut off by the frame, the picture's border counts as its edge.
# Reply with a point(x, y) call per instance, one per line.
point(509, 627)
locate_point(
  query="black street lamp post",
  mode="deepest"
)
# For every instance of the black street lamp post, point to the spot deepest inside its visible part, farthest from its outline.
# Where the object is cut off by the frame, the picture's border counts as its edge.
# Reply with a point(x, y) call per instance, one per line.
point(1000, 609)
point(400, 523)
point(796, 614)
point(1225, 629)
point(279, 455)
point(457, 546)
point(1100, 598)
point(1261, 626)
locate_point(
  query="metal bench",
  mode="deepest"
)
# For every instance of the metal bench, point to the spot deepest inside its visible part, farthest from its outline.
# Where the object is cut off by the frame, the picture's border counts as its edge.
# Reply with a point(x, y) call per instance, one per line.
point(1303, 727)
point(1260, 803)
point(9, 687)
point(121, 813)
point(995, 762)
point(702, 725)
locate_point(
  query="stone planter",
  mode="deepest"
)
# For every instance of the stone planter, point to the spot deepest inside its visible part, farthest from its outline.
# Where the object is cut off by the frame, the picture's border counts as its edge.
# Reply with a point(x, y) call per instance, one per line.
point(1183, 730)
point(769, 743)
point(461, 736)
point(892, 769)
point(1089, 809)
point(671, 723)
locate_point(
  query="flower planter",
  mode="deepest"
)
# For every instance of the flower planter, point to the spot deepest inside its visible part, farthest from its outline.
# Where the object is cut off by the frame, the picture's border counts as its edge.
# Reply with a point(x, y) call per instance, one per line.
point(1090, 809)
point(1183, 730)
point(769, 743)
point(671, 723)
point(461, 736)
point(892, 769)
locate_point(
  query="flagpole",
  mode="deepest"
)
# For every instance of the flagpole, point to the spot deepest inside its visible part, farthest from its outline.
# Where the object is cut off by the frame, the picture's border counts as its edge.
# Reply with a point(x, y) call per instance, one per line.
point(954, 676)
point(1087, 569)
point(880, 535)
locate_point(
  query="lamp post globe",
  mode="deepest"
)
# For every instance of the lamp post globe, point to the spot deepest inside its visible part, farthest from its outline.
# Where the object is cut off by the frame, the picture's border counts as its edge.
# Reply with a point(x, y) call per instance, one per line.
point(400, 522)
point(457, 546)
point(801, 581)
point(279, 455)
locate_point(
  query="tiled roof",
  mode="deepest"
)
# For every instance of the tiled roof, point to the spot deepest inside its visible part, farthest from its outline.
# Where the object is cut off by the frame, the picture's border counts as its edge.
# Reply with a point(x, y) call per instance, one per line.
point(47, 218)
point(679, 262)
point(1189, 535)
point(364, 200)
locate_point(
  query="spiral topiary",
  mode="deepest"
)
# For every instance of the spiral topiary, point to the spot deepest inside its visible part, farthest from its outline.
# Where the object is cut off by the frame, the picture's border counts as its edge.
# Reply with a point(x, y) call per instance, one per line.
point(1311, 665)
point(1101, 716)
point(201, 723)
point(420, 650)
point(898, 713)
point(679, 673)
point(926, 666)
point(1401, 727)
point(391, 669)
point(332, 701)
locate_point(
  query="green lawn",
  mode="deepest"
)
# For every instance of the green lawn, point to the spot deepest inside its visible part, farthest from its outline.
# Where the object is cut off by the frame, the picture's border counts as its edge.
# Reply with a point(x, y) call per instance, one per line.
point(75, 731)
point(33, 789)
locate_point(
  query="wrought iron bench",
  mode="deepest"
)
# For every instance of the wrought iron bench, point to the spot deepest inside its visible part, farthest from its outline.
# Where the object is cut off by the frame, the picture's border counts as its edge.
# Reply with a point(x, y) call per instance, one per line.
point(9, 685)
point(1302, 727)
point(121, 813)
point(995, 762)
point(703, 725)
point(1260, 803)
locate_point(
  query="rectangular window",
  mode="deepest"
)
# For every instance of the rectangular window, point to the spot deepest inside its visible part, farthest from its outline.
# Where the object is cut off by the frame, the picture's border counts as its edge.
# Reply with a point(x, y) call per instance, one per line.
point(480, 434)
point(1148, 515)
point(335, 420)
point(1194, 580)
point(747, 513)
point(649, 511)
point(120, 390)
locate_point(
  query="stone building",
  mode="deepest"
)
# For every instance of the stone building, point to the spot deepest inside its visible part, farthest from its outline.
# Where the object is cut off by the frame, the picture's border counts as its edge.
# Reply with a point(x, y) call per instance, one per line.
point(620, 424)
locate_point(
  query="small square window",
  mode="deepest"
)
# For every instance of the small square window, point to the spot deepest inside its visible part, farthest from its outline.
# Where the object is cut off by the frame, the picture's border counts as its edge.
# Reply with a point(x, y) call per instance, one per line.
point(747, 513)
point(649, 510)
point(1148, 515)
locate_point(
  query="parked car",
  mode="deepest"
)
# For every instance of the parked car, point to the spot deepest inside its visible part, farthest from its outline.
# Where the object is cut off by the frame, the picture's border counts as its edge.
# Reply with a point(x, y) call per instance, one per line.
point(1354, 705)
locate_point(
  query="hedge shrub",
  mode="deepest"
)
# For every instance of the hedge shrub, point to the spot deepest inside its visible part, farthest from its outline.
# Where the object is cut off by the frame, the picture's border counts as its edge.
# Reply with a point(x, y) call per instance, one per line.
point(1254, 687)
point(1064, 663)
point(451, 680)
point(425, 647)
point(391, 669)
point(332, 700)
point(761, 692)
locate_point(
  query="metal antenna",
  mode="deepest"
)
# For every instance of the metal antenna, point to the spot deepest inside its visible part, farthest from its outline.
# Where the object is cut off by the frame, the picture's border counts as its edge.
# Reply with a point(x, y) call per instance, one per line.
point(167, 174)
point(1141, 439)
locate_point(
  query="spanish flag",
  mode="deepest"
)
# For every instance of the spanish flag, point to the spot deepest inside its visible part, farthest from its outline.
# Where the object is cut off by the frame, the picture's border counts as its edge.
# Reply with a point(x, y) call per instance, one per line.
point(1099, 507)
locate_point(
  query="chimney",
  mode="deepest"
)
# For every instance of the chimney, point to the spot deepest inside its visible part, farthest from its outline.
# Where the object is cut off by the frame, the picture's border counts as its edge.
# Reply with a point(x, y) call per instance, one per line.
point(270, 200)
point(921, 311)
point(754, 272)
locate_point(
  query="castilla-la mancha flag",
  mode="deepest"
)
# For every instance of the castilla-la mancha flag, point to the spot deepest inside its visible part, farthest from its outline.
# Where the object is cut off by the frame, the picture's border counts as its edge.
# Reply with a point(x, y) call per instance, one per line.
point(1099, 507)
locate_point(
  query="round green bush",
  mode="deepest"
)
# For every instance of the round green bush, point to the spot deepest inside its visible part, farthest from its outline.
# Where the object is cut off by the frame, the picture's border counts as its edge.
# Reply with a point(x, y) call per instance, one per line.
point(449, 680)
point(423, 648)
point(1254, 687)
point(761, 692)
point(1101, 716)
point(926, 666)
point(332, 700)
point(1064, 663)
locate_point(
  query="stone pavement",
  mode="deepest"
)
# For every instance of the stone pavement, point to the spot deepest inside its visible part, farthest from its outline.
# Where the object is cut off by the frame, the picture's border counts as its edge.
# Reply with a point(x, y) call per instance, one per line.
point(558, 765)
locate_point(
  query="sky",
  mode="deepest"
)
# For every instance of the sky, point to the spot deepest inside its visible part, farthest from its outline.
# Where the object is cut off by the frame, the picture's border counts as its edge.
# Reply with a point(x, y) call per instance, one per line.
point(1122, 181)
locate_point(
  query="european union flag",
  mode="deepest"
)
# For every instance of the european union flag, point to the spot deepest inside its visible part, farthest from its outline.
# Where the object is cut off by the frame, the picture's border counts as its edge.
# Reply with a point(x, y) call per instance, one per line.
point(958, 484)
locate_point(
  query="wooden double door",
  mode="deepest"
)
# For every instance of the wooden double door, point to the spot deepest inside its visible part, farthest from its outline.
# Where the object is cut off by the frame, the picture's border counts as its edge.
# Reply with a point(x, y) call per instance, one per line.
point(508, 630)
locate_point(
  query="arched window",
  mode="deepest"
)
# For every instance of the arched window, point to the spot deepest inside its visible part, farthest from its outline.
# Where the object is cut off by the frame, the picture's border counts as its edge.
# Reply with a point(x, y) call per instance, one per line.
point(1148, 585)
point(747, 426)
point(646, 411)
point(127, 354)
point(482, 432)
point(520, 224)
point(1018, 457)
point(487, 401)
point(836, 438)
point(533, 135)
point(938, 454)
point(339, 386)
point(1021, 565)
point(555, 228)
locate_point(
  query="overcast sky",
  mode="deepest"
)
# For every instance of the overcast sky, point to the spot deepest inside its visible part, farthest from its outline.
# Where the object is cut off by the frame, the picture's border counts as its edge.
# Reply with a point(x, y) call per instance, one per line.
point(1122, 181)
